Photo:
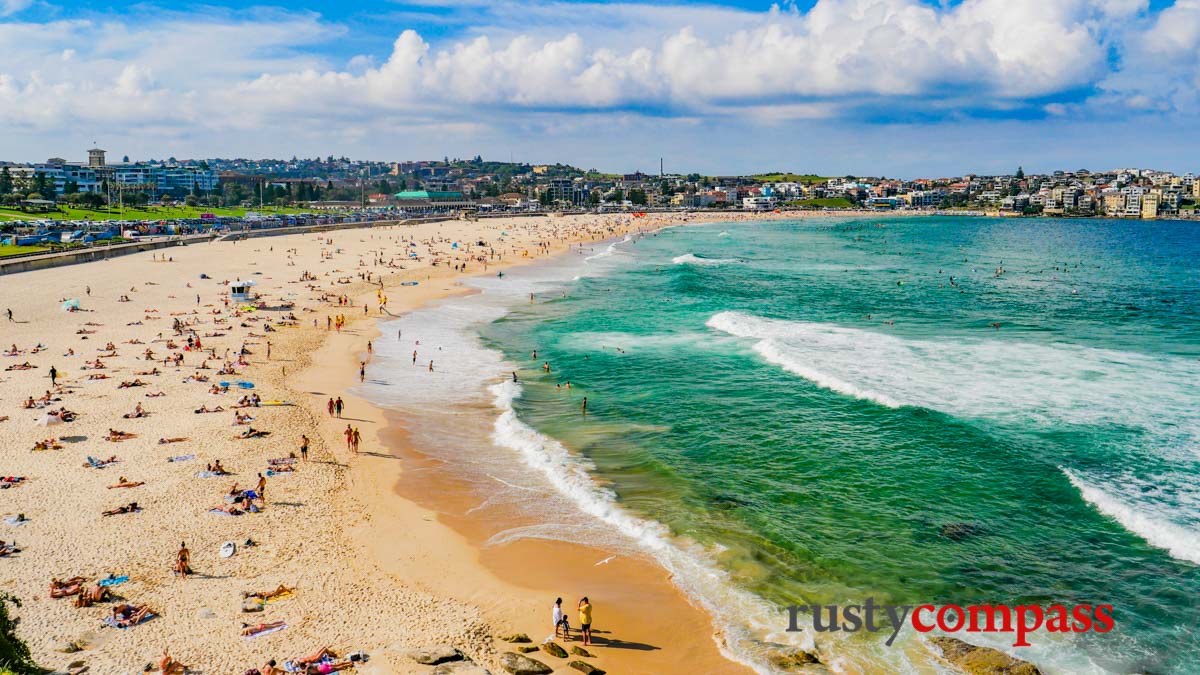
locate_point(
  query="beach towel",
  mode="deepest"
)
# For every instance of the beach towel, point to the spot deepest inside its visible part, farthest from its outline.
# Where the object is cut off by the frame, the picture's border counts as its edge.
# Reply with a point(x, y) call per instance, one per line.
point(114, 581)
point(12, 520)
point(97, 464)
point(265, 632)
point(208, 474)
point(219, 512)
point(281, 460)
point(181, 458)
point(278, 474)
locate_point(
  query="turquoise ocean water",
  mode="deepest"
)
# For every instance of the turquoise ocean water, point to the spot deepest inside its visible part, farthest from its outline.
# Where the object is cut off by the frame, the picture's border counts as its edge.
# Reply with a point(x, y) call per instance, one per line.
point(824, 410)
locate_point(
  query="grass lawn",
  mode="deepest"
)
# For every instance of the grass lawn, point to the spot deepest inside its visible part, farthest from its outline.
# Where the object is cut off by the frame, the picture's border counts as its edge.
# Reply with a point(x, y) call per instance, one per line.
point(17, 250)
point(807, 178)
point(829, 202)
point(146, 213)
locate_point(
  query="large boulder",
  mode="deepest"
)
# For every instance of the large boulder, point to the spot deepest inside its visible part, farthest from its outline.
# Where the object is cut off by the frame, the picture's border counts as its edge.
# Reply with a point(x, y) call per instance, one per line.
point(435, 654)
point(585, 668)
point(976, 660)
point(553, 649)
point(518, 664)
point(580, 651)
point(517, 638)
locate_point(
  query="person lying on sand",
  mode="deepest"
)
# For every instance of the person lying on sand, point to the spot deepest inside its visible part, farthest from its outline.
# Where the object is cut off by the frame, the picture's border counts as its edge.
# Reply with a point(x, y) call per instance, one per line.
point(152, 371)
point(239, 418)
point(196, 377)
point(125, 483)
point(267, 595)
point(62, 589)
point(98, 376)
point(173, 439)
point(126, 615)
point(250, 631)
point(252, 433)
point(217, 390)
point(205, 409)
point(21, 366)
point(126, 384)
point(155, 394)
point(7, 549)
point(99, 463)
point(131, 507)
point(230, 509)
point(118, 436)
point(47, 444)
point(138, 412)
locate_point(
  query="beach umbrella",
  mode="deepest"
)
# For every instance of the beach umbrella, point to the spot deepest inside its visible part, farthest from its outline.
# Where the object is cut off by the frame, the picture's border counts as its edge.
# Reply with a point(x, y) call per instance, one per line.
point(70, 304)
point(49, 420)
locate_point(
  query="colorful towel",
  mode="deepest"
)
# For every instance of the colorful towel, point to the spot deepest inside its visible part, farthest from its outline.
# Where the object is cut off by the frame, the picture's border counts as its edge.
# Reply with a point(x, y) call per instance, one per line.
point(114, 581)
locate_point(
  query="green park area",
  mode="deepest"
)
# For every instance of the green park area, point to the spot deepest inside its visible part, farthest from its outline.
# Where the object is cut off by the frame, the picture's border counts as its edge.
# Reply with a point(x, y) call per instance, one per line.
point(18, 250)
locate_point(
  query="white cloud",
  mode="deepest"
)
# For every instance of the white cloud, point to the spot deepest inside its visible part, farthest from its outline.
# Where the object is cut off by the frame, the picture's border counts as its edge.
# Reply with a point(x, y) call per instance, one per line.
point(10, 7)
point(211, 72)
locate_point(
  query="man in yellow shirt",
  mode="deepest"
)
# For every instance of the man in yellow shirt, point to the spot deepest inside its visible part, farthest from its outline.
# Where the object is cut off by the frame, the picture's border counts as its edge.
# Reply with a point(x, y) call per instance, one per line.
point(585, 620)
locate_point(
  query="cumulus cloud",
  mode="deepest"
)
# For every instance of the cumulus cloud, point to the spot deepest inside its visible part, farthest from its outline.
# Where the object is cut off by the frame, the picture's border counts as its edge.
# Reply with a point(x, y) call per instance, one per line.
point(229, 71)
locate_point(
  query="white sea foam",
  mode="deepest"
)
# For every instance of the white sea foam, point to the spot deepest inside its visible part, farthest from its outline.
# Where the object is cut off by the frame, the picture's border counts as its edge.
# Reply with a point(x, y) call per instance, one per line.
point(1157, 530)
point(1002, 380)
point(608, 250)
point(693, 259)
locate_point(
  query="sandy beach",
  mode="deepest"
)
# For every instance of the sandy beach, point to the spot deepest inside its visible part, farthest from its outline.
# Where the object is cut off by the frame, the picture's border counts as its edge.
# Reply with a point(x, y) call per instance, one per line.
point(369, 570)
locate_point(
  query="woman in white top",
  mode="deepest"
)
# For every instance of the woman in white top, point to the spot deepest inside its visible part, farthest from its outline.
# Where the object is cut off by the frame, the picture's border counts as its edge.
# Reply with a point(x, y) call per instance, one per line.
point(560, 620)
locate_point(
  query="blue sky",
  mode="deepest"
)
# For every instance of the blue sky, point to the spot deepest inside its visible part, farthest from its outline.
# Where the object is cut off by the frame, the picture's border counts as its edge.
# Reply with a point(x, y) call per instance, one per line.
point(885, 87)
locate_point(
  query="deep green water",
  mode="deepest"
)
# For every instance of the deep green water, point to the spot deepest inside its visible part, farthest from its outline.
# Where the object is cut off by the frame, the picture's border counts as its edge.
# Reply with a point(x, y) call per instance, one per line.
point(828, 405)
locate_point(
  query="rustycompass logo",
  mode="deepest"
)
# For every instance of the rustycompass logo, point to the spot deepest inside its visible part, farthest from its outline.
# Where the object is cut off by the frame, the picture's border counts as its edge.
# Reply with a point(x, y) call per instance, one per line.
point(1020, 620)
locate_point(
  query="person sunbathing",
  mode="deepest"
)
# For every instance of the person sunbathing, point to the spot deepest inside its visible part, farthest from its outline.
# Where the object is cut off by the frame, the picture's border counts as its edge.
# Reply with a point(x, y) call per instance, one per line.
point(134, 341)
point(155, 394)
point(93, 594)
point(98, 376)
point(118, 436)
point(196, 377)
point(84, 331)
point(69, 352)
point(136, 383)
point(267, 595)
point(230, 509)
point(110, 347)
point(205, 409)
point(21, 366)
point(321, 654)
point(29, 403)
point(62, 589)
point(126, 615)
point(218, 469)
point(239, 418)
point(124, 298)
point(131, 507)
point(47, 444)
point(7, 549)
point(125, 483)
point(100, 463)
point(327, 667)
point(152, 371)
point(138, 412)
point(251, 432)
point(173, 439)
point(251, 631)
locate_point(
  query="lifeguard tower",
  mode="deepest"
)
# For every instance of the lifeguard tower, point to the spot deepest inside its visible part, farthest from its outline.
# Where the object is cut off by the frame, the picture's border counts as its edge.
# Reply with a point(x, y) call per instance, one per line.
point(242, 291)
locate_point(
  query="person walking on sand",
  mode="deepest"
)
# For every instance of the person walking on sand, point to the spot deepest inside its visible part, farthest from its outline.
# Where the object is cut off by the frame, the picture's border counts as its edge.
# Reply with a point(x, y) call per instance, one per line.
point(338, 406)
point(261, 487)
point(356, 440)
point(349, 434)
point(10, 315)
point(331, 407)
point(183, 561)
point(585, 620)
point(303, 448)
point(362, 371)
point(53, 376)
